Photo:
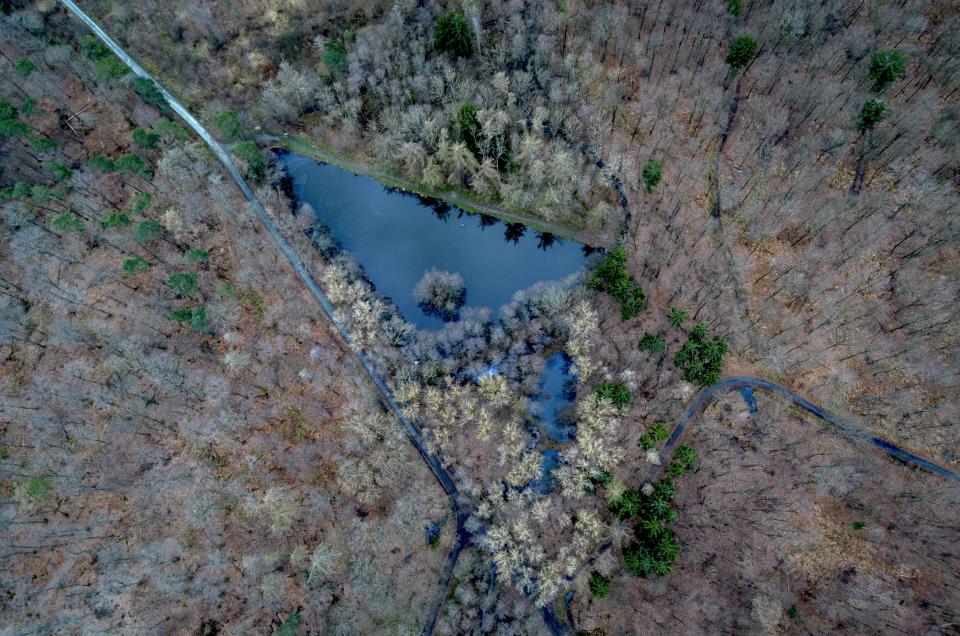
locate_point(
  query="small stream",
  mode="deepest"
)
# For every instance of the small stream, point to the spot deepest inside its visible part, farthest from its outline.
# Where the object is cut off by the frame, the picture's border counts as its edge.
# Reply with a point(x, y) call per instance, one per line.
point(552, 406)
point(397, 237)
point(556, 397)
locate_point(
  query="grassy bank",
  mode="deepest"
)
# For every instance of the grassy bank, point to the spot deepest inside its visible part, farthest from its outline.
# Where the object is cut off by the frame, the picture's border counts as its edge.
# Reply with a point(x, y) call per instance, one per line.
point(460, 199)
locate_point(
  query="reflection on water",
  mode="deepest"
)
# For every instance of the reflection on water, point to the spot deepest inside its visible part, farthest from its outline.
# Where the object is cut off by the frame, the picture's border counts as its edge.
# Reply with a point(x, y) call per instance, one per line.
point(397, 237)
point(557, 394)
point(554, 404)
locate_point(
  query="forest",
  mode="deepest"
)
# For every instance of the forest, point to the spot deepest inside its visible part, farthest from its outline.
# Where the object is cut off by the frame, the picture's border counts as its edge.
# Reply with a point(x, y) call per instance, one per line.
point(180, 440)
point(184, 439)
point(787, 209)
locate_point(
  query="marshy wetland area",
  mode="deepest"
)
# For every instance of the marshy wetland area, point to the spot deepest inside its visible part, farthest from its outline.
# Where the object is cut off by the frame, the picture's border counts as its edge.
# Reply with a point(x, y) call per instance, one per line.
point(492, 318)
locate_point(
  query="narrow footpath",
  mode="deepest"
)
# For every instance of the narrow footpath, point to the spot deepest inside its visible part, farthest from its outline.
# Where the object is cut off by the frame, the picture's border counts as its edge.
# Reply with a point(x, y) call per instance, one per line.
point(846, 429)
point(414, 434)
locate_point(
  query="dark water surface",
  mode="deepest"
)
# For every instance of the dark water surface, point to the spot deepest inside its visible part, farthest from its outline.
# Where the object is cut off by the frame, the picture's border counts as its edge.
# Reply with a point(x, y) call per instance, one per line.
point(397, 237)
point(557, 393)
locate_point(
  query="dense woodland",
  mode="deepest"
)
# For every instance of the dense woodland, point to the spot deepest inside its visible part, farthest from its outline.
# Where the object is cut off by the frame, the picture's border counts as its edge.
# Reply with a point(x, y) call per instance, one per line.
point(780, 523)
point(822, 246)
point(184, 446)
point(782, 179)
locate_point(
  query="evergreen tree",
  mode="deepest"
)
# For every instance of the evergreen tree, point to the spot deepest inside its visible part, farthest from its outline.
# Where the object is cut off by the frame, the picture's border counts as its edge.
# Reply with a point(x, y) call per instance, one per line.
point(886, 67)
point(452, 35)
point(741, 52)
point(652, 175)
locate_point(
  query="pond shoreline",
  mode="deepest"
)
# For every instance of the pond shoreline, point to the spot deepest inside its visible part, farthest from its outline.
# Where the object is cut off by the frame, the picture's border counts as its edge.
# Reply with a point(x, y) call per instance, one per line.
point(396, 238)
point(311, 149)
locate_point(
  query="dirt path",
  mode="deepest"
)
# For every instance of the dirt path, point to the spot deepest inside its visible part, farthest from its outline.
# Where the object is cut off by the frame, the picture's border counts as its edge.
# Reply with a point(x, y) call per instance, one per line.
point(848, 430)
point(446, 482)
point(741, 382)
point(414, 434)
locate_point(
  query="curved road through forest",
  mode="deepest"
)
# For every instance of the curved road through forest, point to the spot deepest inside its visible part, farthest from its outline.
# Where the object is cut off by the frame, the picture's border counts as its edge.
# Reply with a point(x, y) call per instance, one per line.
point(703, 399)
point(731, 383)
point(462, 536)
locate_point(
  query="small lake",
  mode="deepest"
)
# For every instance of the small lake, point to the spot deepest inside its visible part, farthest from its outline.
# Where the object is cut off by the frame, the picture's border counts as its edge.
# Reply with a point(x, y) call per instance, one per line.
point(397, 237)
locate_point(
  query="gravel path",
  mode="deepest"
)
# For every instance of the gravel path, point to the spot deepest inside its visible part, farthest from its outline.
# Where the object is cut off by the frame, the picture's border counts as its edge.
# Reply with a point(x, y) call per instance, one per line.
point(413, 432)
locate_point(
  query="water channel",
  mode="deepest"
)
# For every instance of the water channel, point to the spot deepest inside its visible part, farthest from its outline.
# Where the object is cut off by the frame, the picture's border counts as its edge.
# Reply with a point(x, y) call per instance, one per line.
point(396, 237)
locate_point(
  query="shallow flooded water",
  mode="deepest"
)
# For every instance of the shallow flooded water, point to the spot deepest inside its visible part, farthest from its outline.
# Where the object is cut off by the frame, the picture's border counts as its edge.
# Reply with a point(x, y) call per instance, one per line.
point(397, 237)
point(557, 394)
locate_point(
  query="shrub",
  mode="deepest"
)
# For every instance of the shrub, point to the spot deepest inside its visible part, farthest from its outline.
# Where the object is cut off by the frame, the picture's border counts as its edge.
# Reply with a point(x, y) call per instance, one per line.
point(335, 56)
point(734, 7)
point(149, 92)
point(112, 220)
point(741, 52)
point(701, 358)
point(24, 67)
point(886, 67)
point(184, 283)
point(599, 585)
point(289, 45)
point(652, 344)
point(657, 433)
point(253, 162)
point(611, 276)
point(452, 35)
point(228, 124)
point(676, 316)
point(652, 174)
point(145, 139)
point(874, 111)
point(441, 294)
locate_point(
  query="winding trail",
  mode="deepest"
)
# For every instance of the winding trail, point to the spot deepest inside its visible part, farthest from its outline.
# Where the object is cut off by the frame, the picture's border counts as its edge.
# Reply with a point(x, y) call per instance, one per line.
point(747, 384)
point(413, 432)
point(848, 430)
point(703, 399)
